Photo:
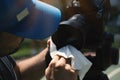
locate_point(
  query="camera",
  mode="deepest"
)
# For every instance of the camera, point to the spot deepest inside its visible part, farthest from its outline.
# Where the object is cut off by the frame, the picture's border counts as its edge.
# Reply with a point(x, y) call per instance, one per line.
point(83, 28)
point(86, 31)
point(70, 32)
point(82, 16)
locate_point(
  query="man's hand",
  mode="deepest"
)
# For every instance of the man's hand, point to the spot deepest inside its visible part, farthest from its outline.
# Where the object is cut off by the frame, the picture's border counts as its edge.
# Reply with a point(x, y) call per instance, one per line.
point(60, 69)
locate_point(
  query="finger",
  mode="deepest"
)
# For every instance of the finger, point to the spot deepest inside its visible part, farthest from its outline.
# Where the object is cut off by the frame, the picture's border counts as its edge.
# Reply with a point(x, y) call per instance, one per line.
point(48, 42)
point(54, 61)
point(49, 73)
point(72, 72)
point(60, 63)
point(69, 68)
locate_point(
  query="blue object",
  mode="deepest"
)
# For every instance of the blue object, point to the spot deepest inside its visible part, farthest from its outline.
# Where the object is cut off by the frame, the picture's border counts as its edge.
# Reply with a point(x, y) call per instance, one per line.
point(29, 18)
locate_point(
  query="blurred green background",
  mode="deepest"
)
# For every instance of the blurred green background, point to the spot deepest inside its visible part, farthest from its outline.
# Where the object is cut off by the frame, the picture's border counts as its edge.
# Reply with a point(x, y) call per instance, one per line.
point(26, 49)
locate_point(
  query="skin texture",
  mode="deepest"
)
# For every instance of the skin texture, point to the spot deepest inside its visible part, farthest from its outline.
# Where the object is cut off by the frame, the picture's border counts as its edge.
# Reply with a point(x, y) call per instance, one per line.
point(60, 68)
point(60, 65)
point(36, 65)
point(34, 68)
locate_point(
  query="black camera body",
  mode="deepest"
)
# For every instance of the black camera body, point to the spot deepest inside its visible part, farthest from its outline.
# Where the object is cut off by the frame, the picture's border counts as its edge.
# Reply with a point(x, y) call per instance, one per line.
point(70, 32)
point(85, 30)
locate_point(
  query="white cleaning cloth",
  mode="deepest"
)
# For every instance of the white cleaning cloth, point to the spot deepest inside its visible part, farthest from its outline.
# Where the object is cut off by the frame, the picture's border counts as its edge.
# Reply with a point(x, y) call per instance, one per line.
point(79, 61)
